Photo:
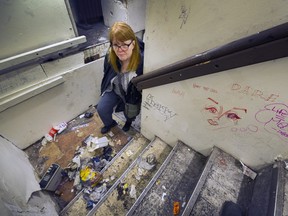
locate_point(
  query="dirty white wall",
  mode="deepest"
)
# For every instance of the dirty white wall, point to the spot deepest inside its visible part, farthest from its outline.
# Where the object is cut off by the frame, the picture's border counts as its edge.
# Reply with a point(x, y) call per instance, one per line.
point(179, 29)
point(50, 93)
point(18, 183)
point(36, 97)
point(28, 121)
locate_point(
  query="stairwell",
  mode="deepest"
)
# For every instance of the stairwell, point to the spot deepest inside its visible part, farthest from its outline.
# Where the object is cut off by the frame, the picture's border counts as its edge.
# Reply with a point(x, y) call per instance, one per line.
point(153, 178)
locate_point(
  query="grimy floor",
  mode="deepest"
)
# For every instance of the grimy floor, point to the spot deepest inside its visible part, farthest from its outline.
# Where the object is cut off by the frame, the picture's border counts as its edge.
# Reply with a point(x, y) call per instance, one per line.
point(64, 148)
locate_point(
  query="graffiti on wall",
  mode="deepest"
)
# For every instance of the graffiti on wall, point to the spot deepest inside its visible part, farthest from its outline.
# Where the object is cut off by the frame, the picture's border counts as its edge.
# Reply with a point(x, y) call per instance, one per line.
point(165, 111)
point(254, 93)
point(178, 92)
point(250, 128)
point(184, 14)
point(274, 117)
point(220, 117)
point(205, 88)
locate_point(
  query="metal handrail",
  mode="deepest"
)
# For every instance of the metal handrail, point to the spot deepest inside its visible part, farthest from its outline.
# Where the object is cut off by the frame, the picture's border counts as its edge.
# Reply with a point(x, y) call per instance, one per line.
point(265, 41)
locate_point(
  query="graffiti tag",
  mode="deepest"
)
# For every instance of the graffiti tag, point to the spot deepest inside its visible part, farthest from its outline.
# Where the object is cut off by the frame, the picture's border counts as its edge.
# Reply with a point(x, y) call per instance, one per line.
point(178, 92)
point(197, 86)
point(163, 110)
point(249, 128)
point(255, 93)
point(274, 117)
point(184, 14)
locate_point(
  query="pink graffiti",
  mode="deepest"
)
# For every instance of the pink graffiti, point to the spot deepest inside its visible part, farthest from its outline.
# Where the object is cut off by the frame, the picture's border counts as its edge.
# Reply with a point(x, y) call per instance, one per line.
point(196, 86)
point(274, 117)
point(249, 91)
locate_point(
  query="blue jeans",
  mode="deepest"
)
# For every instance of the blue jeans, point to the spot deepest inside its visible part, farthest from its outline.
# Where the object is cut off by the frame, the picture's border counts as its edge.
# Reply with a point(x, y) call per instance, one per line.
point(106, 106)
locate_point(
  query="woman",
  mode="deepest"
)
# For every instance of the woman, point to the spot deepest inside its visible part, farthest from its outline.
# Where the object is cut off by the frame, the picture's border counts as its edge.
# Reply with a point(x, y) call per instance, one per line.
point(123, 61)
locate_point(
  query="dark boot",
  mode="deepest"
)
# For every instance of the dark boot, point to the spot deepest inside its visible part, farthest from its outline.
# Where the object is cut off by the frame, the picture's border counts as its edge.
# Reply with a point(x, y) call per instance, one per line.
point(127, 126)
point(105, 129)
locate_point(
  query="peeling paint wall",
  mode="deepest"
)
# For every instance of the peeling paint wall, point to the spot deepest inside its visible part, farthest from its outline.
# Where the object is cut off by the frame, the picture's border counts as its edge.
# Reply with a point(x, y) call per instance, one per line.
point(243, 111)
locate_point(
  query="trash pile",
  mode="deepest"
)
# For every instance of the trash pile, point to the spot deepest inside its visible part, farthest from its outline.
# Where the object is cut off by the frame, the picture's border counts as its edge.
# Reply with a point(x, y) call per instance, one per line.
point(125, 191)
point(88, 161)
point(145, 165)
point(94, 154)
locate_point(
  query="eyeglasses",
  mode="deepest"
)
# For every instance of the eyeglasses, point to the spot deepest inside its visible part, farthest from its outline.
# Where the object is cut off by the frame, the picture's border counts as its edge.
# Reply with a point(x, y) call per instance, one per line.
point(123, 47)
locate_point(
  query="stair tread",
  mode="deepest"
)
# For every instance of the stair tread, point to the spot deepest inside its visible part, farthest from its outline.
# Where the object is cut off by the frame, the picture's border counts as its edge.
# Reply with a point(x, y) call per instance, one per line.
point(285, 207)
point(223, 183)
point(118, 203)
point(260, 198)
point(269, 191)
point(176, 183)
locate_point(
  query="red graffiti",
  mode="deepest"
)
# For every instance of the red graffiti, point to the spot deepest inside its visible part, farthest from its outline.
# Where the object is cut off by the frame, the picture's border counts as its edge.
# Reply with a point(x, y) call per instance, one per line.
point(204, 88)
point(218, 113)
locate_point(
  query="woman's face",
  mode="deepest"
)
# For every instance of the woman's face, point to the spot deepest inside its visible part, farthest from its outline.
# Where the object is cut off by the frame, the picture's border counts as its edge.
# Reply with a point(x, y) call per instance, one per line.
point(123, 50)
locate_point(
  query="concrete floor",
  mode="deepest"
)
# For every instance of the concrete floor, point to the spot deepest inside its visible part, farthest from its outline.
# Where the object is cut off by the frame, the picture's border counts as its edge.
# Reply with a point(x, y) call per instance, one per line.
point(96, 33)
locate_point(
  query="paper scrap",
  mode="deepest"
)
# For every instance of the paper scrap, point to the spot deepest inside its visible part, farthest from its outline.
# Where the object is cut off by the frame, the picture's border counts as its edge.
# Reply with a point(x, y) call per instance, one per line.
point(248, 172)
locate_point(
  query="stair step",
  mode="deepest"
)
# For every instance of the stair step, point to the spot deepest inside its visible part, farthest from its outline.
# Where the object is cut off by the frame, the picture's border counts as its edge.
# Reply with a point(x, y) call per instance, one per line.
point(117, 202)
point(268, 193)
point(175, 183)
point(115, 168)
point(285, 199)
point(222, 180)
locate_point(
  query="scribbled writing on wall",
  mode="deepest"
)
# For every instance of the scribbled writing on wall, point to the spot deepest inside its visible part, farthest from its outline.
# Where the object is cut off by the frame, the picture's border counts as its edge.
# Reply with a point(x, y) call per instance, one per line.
point(249, 128)
point(254, 93)
point(150, 102)
point(274, 117)
point(184, 14)
point(220, 117)
point(197, 86)
point(178, 92)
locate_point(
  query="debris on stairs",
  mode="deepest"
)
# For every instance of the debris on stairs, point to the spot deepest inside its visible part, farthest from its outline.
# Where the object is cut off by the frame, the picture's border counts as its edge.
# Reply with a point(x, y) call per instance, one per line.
point(171, 190)
point(126, 174)
point(65, 150)
point(134, 180)
point(110, 174)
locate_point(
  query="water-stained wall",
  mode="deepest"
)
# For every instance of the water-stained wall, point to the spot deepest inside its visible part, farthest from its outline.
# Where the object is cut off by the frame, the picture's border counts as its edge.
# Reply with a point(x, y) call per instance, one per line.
point(243, 110)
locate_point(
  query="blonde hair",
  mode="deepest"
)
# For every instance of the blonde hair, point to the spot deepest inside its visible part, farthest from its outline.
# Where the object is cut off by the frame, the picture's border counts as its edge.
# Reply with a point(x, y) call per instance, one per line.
point(121, 31)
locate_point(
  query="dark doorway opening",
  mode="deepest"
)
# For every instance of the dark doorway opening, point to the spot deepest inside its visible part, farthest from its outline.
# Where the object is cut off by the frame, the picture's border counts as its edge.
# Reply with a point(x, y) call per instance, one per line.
point(88, 17)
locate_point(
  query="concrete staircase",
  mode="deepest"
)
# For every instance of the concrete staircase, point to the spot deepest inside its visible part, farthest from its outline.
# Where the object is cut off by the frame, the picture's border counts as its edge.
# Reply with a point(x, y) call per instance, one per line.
point(153, 178)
